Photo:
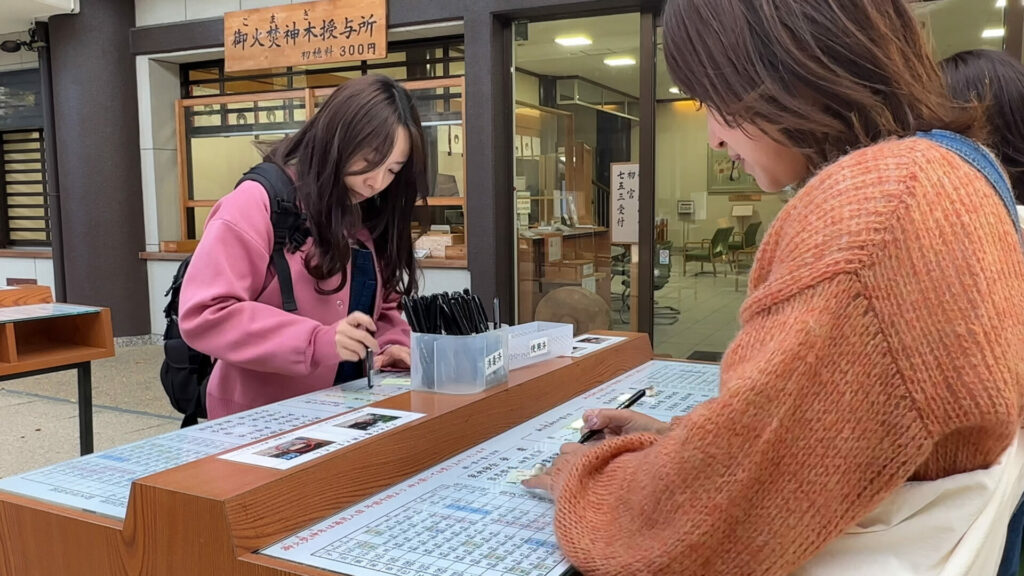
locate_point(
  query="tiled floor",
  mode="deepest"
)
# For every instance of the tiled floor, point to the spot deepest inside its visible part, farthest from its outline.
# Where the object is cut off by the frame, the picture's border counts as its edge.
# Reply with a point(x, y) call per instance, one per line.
point(708, 305)
point(39, 415)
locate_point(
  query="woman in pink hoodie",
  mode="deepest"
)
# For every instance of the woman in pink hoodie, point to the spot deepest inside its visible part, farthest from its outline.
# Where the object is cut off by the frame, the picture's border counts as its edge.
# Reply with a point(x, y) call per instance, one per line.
point(359, 167)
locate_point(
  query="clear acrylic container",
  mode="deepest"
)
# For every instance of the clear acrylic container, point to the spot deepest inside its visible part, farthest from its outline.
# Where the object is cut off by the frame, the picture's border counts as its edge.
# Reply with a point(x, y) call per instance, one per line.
point(459, 364)
point(538, 341)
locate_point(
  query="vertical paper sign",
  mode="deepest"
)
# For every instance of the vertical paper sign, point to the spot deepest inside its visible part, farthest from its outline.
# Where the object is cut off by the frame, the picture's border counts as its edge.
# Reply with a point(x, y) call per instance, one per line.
point(308, 33)
point(625, 203)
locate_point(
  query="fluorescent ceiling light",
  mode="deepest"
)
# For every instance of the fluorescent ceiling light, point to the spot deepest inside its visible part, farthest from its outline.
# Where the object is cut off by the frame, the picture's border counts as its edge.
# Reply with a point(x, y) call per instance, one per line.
point(619, 61)
point(993, 33)
point(674, 90)
point(573, 41)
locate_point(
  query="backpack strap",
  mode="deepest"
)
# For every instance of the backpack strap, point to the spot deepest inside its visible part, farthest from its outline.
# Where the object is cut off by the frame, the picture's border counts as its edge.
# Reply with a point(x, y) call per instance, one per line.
point(288, 221)
point(983, 161)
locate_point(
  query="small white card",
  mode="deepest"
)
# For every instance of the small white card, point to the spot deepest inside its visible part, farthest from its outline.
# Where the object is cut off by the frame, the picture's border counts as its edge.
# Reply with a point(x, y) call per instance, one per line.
point(301, 446)
point(587, 343)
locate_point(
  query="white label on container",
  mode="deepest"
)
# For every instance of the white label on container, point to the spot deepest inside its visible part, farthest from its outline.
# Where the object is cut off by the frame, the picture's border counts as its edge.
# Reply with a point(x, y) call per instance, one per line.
point(494, 361)
point(663, 257)
point(538, 347)
point(588, 270)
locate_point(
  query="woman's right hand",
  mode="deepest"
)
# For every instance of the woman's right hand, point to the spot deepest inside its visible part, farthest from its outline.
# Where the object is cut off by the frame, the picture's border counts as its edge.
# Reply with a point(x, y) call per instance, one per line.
point(614, 423)
point(354, 336)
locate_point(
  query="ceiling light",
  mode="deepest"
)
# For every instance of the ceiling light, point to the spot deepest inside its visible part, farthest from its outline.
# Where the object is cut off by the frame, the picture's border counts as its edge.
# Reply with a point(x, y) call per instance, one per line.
point(674, 90)
point(620, 61)
point(993, 33)
point(573, 41)
point(1000, 3)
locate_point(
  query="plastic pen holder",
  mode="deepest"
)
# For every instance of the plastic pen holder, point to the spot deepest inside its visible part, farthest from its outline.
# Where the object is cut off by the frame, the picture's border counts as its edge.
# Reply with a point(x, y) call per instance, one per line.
point(459, 364)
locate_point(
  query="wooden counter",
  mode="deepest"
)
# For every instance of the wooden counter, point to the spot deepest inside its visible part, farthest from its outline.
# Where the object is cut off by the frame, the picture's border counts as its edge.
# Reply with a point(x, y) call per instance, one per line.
point(210, 515)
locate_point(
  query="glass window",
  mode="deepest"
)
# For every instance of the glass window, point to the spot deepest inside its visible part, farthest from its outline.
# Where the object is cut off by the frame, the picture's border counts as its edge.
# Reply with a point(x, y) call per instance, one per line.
point(574, 263)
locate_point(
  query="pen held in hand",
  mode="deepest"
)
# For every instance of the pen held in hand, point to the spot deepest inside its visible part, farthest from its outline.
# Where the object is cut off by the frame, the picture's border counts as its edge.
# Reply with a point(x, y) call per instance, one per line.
point(369, 368)
point(589, 434)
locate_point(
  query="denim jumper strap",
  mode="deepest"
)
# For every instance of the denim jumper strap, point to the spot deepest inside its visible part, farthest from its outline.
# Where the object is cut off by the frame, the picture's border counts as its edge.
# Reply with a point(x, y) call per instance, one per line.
point(362, 297)
point(986, 163)
point(983, 161)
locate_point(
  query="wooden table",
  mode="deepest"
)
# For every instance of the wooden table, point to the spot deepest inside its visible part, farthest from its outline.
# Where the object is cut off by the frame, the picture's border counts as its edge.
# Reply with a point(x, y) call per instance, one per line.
point(45, 343)
point(211, 515)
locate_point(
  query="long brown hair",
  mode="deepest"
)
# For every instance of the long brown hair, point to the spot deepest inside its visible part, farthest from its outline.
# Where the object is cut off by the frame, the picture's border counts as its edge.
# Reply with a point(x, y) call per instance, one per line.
point(995, 81)
point(359, 120)
point(821, 76)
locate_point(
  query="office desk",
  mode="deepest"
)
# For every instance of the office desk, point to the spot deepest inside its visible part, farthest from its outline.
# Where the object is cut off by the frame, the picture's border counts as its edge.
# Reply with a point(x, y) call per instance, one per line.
point(210, 515)
point(40, 337)
point(536, 260)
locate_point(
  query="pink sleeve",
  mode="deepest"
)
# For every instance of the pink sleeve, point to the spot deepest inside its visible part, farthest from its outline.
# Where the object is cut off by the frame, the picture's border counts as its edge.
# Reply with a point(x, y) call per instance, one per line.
point(392, 329)
point(218, 313)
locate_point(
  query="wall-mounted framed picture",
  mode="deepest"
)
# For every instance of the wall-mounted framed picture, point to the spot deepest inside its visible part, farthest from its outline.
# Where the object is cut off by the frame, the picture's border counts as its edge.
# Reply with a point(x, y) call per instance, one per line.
point(684, 207)
point(725, 175)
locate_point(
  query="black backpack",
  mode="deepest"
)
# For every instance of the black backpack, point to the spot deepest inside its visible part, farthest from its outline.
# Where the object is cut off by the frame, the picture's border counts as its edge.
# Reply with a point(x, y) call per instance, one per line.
point(185, 371)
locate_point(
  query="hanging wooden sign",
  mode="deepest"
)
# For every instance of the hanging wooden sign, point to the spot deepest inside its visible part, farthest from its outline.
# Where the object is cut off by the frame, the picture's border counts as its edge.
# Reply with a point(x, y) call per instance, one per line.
point(308, 33)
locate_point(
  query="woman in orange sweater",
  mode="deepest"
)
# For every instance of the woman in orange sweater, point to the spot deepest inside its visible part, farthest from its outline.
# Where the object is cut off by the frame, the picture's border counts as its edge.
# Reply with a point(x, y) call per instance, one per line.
point(882, 340)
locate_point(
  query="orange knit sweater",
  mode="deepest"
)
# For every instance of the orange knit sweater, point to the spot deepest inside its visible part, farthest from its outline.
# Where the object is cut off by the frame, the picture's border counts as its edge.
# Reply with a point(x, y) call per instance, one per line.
point(882, 341)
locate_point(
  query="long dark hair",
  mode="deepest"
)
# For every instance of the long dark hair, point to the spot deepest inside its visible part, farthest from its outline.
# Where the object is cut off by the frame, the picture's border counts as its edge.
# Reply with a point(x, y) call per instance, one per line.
point(358, 120)
point(821, 76)
point(995, 81)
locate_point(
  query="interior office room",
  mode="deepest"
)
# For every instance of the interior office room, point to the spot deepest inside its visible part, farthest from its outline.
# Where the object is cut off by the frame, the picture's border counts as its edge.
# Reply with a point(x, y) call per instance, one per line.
point(570, 187)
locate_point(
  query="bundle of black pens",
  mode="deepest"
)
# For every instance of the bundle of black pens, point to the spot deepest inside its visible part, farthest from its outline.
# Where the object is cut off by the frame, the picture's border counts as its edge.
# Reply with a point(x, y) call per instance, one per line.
point(454, 314)
point(455, 349)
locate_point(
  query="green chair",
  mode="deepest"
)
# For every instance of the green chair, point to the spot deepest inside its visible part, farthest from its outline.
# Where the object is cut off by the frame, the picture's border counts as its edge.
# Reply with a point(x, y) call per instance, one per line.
point(748, 239)
point(709, 251)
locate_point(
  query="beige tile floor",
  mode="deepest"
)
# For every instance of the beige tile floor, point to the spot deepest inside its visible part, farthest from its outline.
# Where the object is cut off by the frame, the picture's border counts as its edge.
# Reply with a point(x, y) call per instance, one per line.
point(39, 415)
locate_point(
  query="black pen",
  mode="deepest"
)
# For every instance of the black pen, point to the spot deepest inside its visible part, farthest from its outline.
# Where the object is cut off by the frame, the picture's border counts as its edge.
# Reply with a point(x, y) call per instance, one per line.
point(589, 434)
point(369, 368)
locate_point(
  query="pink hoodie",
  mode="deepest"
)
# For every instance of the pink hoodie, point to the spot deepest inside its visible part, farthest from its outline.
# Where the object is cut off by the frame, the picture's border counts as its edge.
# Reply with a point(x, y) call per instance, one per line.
point(230, 308)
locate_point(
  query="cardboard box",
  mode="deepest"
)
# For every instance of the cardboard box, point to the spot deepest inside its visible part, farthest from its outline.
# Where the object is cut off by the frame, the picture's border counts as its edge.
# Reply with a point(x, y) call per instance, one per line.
point(569, 271)
point(438, 242)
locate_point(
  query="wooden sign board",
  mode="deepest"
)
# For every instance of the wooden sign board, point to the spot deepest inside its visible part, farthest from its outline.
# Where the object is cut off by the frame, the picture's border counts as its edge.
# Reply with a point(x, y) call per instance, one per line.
point(320, 32)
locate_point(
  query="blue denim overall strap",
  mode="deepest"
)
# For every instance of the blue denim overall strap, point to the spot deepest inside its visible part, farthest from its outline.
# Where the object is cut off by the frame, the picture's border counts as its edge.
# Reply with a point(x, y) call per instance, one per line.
point(983, 161)
point(362, 296)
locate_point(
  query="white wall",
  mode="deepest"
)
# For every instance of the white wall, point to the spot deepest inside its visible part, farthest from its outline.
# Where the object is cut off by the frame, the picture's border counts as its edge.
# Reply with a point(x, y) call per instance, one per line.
point(527, 88)
point(436, 280)
point(40, 269)
point(19, 60)
point(161, 273)
point(158, 87)
point(681, 174)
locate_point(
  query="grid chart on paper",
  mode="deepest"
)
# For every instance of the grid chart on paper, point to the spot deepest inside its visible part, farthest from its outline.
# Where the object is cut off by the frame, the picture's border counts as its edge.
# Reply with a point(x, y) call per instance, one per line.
point(495, 469)
point(107, 476)
point(456, 530)
point(678, 389)
point(257, 424)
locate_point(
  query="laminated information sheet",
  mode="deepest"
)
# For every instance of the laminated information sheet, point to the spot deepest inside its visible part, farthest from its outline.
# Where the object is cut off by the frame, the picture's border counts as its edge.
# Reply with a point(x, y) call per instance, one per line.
point(101, 482)
point(36, 311)
point(469, 515)
point(301, 446)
